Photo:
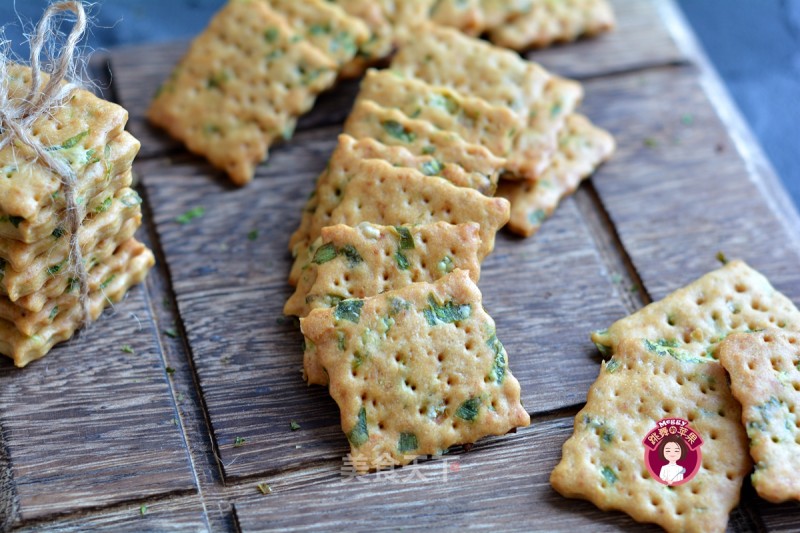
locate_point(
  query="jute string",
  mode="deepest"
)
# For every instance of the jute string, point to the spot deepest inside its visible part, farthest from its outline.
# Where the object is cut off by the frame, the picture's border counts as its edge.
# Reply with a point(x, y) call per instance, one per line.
point(17, 117)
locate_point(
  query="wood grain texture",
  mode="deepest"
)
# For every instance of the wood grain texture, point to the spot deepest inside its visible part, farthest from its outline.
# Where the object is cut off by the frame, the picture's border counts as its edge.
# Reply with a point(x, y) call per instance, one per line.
point(639, 41)
point(90, 425)
point(249, 362)
point(676, 190)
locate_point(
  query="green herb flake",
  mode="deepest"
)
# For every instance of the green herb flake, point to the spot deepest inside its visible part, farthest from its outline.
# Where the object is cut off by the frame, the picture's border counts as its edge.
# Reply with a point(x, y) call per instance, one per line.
point(432, 168)
point(143, 510)
point(359, 434)
point(612, 365)
point(396, 130)
point(252, 235)
point(72, 142)
point(217, 80)
point(352, 255)
point(239, 441)
point(324, 253)
point(664, 347)
point(407, 442)
point(406, 240)
point(556, 109)
point(170, 370)
point(349, 310)
point(341, 341)
point(55, 269)
point(469, 409)
point(271, 35)
point(191, 214)
point(127, 348)
point(107, 282)
point(132, 199)
point(171, 333)
point(104, 206)
point(498, 372)
point(428, 150)
point(609, 475)
point(446, 102)
point(402, 260)
point(445, 265)
point(537, 217)
point(264, 488)
point(294, 426)
point(319, 29)
point(446, 313)
point(53, 313)
point(722, 258)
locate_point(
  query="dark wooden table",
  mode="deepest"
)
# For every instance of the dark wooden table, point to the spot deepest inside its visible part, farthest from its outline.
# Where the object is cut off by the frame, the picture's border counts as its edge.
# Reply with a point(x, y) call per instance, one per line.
point(97, 438)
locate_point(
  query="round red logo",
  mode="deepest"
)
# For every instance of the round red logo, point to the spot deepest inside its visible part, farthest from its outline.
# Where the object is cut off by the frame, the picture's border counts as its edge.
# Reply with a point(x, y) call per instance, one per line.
point(672, 451)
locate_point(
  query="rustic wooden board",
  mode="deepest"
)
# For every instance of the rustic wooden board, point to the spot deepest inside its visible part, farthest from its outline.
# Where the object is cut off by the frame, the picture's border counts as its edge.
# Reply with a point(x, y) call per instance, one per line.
point(89, 425)
point(655, 215)
point(676, 191)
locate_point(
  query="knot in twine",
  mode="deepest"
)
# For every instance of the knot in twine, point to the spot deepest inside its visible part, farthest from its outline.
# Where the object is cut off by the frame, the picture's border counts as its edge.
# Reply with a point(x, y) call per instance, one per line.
point(17, 118)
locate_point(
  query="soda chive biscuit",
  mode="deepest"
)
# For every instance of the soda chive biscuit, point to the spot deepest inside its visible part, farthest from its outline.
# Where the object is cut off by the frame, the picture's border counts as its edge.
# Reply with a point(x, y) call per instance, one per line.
point(415, 371)
point(446, 57)
point(603, 460)
point(548, 22)
point(764, 370)
point(109, 282)
point(473, 119)
point(241, 86)
point(361, 261)
point(582, 147)
point(326, 26)
point(692, 321)
point(463, 163)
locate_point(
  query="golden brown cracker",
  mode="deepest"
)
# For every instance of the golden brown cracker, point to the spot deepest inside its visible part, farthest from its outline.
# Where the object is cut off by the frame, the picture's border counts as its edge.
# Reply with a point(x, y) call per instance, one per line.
point(241, 86)
point(415, 371)
point(603, 460)
point(764, 370)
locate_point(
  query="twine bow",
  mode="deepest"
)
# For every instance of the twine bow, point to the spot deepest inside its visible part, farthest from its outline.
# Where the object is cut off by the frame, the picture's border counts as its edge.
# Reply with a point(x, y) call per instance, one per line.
point(18, 116)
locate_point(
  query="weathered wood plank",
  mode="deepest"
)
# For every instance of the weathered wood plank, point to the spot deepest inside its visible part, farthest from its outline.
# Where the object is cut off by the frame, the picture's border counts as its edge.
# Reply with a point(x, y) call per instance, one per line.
point(640, 40)
point(248, 363)
point(90, 425)
point(677, 191)
point(783, 517)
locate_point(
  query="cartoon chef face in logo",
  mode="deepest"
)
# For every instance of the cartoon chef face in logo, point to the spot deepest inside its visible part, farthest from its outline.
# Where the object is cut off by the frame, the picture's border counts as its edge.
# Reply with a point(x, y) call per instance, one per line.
point(672, 451)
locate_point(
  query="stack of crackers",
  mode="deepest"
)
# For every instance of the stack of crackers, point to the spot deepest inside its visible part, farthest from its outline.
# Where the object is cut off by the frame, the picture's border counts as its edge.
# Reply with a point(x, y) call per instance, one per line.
point(720, 353)
point(260, 64)
point(39, 294)
point(390, 244)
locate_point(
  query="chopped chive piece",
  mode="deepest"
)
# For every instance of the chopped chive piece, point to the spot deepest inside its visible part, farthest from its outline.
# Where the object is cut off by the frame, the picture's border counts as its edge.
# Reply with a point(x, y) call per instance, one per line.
point(294, 426)
point(406, 240)
point(396, 130)
point(143, 510)
point(324, 253)
point(170, 370)
point(132, 199)
point(271, 35)
point(446, 313)
point(71, 142)
point(612, 365)
point(432, 168)
point(127, 348)
point(498, 372)
point(107, 282)
point(53, 312)
point(349, 310)
point(253, 235)
point(402, 260)
point(446, 265)
point(609, 475)
point(407, 442)
point(359, 434)
point(53, 270)
point(722, 258)
point(469, 409)
point(264, 488)
point(239, 441)
point(428, 150)
point(171, 333)
point(352, 255)
point(191, 214)
point(103, 207)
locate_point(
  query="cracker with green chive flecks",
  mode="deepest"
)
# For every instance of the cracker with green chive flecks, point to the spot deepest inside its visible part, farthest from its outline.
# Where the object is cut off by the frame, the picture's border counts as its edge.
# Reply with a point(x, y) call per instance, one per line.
point(361, 261)
point(389, 21)
point(463, 163)
point(480, 172)
point(582, 148)
point(603, 460)
point(764, 370)
point(553, 21)
point(241, 86)
point(473, 119)
point(325, 25)
point(391, 196)
point(109, 282)
point(31, 199)
point(122, 219)
point(415, 371)
point(446, 57)
point(692, 321)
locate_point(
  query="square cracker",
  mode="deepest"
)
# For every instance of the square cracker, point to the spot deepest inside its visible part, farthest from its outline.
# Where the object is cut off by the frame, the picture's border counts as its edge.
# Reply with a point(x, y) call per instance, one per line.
point(463, 163)
point(764, 370)
point(692, 321)
point(460, 163)
point(327, 26)
point(112, 279)
point(474, 17)
point(361, 261)
point(415, 371)
point(121, 208)
point(473, 119)
point(446, 57)
point(241, 86)
point(553, 21)
point(603, 460)
point(391, 196)
point(582, 147)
